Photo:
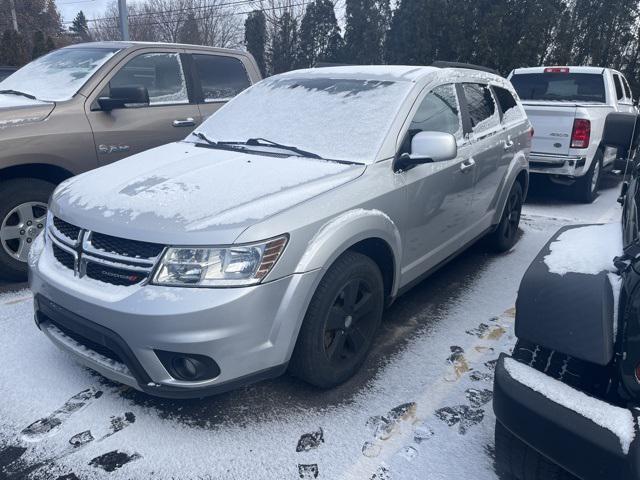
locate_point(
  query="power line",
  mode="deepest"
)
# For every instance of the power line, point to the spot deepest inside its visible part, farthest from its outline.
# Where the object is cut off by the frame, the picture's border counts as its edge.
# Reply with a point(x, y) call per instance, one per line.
point(179, 10)
point(176, 21)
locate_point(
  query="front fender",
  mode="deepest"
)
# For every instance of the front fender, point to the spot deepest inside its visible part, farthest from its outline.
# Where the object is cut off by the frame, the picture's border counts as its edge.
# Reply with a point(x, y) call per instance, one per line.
point(342, 232)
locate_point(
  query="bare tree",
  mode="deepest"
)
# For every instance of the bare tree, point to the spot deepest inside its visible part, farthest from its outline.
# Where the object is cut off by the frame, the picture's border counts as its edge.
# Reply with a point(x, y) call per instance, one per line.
point(219, 21)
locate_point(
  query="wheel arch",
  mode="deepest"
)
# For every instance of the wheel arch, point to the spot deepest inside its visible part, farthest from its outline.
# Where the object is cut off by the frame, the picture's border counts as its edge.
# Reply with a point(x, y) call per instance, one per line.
point(369, 232)
point(41, 171)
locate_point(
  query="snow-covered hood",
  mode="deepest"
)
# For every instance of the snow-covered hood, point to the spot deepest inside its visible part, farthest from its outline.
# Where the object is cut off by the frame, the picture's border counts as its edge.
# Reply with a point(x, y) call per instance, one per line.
point(18, 110)
point(184, 194)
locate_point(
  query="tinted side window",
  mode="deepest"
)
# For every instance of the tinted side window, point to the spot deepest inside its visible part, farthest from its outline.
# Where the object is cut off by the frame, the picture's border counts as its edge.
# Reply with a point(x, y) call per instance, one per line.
point(627, 89)
point(221, 77)
point(482, 108)
point(618, 84)
point(438, 112)
point(510, 109)
point(160, 73)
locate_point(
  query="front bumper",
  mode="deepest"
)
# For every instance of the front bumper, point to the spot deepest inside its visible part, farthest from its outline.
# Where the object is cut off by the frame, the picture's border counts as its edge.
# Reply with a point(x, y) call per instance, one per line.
point(249, 332)
point(572, 166)
point(566, 437)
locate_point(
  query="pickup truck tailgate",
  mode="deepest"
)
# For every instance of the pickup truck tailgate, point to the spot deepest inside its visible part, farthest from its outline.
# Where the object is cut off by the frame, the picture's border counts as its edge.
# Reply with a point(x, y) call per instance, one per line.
point(552, 126)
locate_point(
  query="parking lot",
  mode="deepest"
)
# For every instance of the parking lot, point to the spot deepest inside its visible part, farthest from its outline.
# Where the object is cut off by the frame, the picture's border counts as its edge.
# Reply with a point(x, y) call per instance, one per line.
point(420, 407)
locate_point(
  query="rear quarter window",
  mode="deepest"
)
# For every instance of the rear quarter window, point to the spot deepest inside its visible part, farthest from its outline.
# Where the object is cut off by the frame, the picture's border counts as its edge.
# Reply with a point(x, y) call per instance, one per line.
point(561, 87)
point(511, 111)
point(618, 85)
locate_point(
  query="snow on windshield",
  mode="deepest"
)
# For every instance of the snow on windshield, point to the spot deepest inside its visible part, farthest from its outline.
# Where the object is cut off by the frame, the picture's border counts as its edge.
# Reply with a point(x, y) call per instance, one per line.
point(345, 119)
point(58, 75)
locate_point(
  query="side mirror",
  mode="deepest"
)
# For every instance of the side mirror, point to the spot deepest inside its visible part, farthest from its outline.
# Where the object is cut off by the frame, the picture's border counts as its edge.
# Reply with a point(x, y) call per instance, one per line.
point(427, 147)
point(121, 97)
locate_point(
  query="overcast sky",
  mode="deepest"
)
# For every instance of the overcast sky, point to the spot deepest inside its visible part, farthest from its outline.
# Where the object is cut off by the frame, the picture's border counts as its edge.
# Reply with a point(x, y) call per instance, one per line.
point(91, 8)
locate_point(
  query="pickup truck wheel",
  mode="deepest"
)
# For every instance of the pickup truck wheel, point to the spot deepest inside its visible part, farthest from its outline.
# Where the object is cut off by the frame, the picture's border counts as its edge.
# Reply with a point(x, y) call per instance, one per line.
point(587, 186)
point(515, 460)
point(506, 233)
point(341, 322)
point(23, 210)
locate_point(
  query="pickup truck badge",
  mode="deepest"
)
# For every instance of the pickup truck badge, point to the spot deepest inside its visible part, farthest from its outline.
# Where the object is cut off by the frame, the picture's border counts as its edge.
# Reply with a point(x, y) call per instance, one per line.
point(113, 148)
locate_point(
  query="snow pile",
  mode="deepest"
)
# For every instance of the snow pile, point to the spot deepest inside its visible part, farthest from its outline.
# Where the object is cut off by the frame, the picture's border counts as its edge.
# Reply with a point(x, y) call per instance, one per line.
point(11, 101)
point(344, 119)
point(617, 420)
point(588, 250)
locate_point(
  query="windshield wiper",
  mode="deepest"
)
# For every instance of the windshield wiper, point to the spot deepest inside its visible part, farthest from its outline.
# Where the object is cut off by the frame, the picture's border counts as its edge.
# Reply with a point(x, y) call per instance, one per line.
point(215, 144)
point(16, 92)
point(263, 142)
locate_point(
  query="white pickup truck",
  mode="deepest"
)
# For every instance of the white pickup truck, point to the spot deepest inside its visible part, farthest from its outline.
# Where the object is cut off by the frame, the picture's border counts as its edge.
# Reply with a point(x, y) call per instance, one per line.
point(567, 107)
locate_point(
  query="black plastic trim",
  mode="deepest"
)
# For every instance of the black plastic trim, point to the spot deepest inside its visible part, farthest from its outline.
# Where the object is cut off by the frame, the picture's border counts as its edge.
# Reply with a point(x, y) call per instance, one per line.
point(570, 440)
point(47, 310)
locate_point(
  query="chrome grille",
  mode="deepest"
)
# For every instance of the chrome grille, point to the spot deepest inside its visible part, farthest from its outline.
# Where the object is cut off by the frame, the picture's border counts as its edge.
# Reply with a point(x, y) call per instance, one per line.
point(102, 257)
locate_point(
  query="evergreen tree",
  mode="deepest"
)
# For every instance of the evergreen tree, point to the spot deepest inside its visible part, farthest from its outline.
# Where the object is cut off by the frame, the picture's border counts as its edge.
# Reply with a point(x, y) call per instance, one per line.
point(190, 31)
point(49, 45)
point(39, 45)
point(255, 37)
point(14, 49)
point(284, 44)
point(80, 27)
point(320, 39)
point(367, 22)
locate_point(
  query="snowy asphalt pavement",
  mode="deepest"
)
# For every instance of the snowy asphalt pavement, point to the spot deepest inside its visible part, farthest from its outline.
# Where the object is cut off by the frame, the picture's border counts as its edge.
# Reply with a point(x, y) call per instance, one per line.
point(419, 409)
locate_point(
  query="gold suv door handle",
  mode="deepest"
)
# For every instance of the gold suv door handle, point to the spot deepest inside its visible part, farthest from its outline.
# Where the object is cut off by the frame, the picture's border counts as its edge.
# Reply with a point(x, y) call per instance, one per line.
point(467, 165)
point(184, 122)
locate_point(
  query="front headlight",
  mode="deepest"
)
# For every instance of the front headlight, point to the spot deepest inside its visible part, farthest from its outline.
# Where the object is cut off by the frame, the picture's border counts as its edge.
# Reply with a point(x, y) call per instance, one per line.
point(233, 266)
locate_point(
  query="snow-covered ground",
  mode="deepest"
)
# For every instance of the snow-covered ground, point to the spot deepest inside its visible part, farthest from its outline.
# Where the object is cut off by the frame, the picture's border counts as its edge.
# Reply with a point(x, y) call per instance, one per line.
point(420, 408)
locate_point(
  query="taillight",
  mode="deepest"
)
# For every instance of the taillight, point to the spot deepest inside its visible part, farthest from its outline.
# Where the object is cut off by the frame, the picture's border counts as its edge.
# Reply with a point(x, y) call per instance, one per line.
point(581, 133)
point(556, 70)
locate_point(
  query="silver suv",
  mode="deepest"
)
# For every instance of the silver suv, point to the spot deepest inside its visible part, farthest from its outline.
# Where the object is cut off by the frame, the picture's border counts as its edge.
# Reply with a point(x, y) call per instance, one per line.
point(275, 234)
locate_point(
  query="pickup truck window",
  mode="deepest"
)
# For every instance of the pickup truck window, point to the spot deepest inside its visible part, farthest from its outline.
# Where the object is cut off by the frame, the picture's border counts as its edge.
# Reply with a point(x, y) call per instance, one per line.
point(561, 87)
point(221, 77)
point(482, 108)
point(618, 85)
point(160, 73)
point(59, 75)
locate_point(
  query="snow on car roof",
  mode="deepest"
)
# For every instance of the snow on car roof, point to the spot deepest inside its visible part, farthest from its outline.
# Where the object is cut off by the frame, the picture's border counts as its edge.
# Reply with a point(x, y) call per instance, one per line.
point(129, 44)
point(392, 73)
point(572, 69)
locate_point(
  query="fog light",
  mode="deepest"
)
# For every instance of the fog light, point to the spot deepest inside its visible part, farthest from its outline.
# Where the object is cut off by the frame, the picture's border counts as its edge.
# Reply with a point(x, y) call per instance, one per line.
point(188, 367)
point(185, 367)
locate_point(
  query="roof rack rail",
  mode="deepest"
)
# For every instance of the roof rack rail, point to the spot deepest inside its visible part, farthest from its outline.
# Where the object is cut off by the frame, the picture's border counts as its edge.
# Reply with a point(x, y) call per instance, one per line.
point(470, 66)
point(331, 64)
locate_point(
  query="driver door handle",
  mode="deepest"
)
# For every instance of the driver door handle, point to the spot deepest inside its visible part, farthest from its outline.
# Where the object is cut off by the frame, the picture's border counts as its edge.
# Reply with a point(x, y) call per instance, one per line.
point(184, 122)
point(467, 165)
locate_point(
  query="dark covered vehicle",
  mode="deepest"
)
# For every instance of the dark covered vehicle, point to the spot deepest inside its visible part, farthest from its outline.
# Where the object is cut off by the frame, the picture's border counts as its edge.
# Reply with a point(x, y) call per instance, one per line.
point(568, 398)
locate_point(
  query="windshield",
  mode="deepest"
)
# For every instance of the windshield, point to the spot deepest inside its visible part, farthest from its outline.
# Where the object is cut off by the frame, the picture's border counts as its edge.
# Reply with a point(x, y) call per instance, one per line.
point(338, 119)
point(562, 87)
point(58, 75)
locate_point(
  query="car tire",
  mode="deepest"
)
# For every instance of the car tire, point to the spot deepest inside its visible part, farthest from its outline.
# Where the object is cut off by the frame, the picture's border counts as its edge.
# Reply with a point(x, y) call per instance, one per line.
point(505, 236)
point(587, 186)
point(341, 322)
point(515, 460)
point(18, 197)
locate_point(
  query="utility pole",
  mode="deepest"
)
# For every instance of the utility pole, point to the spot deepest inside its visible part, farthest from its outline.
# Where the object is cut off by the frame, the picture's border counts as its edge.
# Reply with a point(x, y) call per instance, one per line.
point(123, 19)
point(14, 17)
